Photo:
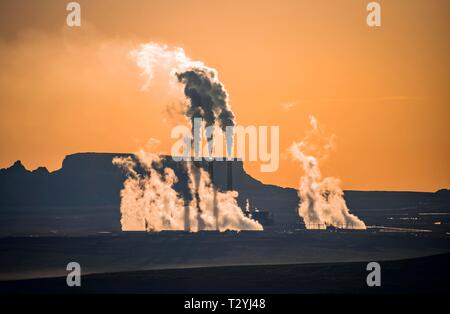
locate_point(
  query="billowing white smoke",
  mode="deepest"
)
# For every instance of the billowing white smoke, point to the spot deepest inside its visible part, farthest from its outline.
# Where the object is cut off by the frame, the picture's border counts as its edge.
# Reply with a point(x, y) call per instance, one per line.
point(322, 201)
point(150, 203)
point(206, 96)
point(158, 59)
point(228, 215)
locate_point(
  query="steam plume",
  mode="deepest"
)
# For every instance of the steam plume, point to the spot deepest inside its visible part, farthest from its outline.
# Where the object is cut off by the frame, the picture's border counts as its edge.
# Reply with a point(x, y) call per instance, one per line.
point(206, 95)
point(154, 58)
point(228, 214)
point(207, 99)
point(150, 203)
point(322, 200)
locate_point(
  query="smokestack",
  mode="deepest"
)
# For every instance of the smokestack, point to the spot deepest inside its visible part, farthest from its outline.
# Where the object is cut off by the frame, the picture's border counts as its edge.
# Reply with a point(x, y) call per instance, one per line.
point(229, 175)
point(195, 168)
point(195, 147)
point(187, 213)
point(215, 205)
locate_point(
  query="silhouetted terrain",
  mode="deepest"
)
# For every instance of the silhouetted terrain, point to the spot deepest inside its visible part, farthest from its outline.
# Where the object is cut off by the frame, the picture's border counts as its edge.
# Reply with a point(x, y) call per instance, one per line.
point(47, 256)
point(73, 214)
point(84, 197)
point(91, 179)
point(420, 275)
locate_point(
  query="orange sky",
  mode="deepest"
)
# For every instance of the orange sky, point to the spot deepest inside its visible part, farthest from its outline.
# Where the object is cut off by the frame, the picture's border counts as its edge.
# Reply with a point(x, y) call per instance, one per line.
point(383, 92)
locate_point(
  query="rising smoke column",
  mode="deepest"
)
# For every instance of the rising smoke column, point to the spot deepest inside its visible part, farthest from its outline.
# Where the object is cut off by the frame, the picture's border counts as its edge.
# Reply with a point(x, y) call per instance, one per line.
point(322, 201)
point(208, 100)
point(206, 95)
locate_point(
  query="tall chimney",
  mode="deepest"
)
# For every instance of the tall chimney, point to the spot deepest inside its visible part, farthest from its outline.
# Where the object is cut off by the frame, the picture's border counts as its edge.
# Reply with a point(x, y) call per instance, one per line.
point(196, 169)
point(187, 221)
point(215, 206)
point(229, 175)
point(196, 173)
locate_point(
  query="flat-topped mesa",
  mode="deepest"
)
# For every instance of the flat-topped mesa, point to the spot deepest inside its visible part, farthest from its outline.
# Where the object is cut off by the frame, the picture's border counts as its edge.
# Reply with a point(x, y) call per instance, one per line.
point(89, 161)
point(91, 179)
point(101, 163)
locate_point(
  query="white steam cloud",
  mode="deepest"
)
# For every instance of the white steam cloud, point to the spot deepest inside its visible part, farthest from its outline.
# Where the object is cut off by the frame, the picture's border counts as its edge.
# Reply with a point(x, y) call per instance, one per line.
point(206, 96)
point(322, 201)
point(149, 201)
point(154, 58)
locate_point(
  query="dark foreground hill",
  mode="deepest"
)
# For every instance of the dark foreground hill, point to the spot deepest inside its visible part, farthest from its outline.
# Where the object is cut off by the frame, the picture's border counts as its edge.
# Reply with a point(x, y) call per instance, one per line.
point(420, 275)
